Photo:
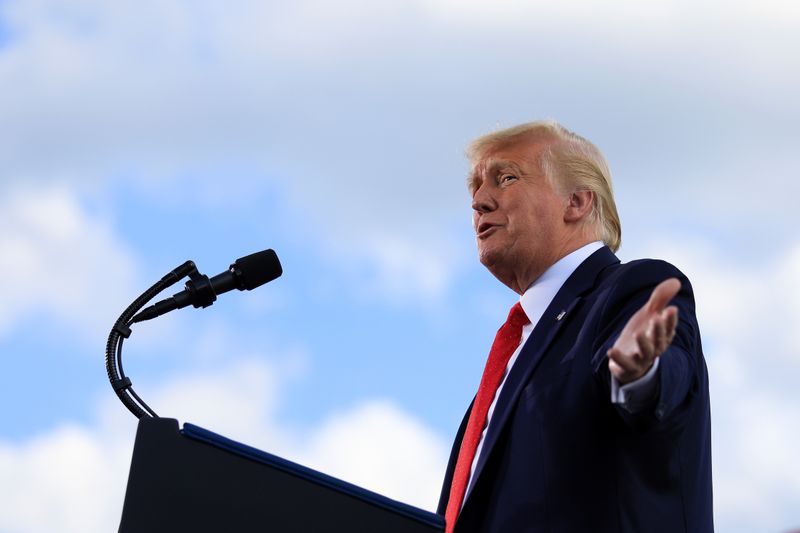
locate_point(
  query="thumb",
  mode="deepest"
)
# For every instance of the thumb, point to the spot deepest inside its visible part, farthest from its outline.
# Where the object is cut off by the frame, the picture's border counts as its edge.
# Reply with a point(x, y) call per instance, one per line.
point(663, 293)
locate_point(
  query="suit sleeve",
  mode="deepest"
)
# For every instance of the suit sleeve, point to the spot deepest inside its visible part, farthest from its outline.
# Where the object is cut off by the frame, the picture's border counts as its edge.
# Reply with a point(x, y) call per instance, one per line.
point(681, 366)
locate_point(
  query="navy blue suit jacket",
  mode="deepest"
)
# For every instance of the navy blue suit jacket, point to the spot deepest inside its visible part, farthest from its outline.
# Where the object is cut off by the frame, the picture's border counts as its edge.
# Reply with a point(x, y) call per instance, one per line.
point(560, 457)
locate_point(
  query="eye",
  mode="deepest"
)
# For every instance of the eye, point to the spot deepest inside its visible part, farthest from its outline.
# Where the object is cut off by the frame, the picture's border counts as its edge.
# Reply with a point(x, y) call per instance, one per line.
point(505, 178)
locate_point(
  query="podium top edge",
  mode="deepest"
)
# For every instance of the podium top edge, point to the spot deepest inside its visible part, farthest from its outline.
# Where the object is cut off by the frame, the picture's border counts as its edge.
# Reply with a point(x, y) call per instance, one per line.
point(209, 437)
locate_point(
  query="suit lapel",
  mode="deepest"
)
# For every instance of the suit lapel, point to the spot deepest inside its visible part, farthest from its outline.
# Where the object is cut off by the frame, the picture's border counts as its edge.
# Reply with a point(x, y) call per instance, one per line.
point(551, 322)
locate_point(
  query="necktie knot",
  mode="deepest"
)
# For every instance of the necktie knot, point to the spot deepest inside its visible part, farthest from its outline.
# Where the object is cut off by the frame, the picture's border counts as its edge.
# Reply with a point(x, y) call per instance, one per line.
point(517, 317)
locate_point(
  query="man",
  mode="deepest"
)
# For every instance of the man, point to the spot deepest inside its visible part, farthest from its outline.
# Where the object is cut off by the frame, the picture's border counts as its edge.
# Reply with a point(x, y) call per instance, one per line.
point(593, 411)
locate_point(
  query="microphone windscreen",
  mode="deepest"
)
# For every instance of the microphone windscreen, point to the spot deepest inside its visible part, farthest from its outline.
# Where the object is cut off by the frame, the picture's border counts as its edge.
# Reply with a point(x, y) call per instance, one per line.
point(258, 268)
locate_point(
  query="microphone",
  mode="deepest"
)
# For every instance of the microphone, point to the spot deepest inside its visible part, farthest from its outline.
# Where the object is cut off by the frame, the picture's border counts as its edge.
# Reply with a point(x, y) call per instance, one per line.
point(246, 273)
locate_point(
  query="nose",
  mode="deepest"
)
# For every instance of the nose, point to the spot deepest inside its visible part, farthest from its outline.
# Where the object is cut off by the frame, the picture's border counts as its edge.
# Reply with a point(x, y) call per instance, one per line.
point(483, 201)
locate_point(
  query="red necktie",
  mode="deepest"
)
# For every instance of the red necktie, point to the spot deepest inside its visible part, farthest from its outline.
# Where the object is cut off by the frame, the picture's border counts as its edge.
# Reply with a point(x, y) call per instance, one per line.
point(506, 341)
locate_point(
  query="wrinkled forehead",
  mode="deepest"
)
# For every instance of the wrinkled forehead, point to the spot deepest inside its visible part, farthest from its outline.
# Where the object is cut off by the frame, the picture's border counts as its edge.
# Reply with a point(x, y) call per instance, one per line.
point(521, 149)
point(521, 156)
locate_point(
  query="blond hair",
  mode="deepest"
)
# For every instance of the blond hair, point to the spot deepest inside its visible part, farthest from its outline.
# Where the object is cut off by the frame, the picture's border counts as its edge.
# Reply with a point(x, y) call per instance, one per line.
point(571, 163)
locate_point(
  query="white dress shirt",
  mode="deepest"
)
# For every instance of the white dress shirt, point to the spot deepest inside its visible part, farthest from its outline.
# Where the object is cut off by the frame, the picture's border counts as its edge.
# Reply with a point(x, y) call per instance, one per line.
point(535, 301)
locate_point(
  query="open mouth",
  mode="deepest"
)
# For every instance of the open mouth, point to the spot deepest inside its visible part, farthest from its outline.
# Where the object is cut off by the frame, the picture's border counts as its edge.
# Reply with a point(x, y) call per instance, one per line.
point(485, 229)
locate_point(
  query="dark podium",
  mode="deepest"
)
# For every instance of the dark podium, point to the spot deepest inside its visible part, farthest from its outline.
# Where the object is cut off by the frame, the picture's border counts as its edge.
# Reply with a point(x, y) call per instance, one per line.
point(195, 480)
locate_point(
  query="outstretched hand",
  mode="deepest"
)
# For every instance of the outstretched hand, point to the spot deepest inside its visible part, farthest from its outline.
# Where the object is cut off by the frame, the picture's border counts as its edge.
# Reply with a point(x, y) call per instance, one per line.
point(646, 336)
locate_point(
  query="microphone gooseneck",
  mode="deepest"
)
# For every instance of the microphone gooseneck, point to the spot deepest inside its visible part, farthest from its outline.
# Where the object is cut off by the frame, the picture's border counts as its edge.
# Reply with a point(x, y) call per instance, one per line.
point(246, 273)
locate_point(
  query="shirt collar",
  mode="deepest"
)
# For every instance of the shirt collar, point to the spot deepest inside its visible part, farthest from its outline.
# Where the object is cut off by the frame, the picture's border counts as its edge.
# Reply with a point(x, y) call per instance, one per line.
point(538, 296)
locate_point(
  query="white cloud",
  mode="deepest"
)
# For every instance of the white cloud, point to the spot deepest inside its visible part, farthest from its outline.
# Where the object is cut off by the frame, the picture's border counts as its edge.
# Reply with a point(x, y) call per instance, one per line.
point(358, 111)
point(756, 471)
point(401, 264)
point(380, 447)
point(57, 259)
point(151, 93)
point(239, 401)
point(72, 478)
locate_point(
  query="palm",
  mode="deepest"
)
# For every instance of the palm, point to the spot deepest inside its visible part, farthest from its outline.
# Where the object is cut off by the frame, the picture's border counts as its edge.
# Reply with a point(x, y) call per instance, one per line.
point(647, 334)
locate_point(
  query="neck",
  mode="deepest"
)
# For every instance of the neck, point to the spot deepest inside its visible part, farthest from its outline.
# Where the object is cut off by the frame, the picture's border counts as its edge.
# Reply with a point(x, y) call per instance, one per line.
point(519, 279)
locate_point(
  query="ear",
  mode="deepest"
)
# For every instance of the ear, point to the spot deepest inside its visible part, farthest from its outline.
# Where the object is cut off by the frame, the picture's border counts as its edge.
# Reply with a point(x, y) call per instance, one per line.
point(579, 206)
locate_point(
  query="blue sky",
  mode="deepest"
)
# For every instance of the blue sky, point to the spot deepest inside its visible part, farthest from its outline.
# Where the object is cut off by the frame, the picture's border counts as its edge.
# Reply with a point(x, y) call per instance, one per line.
point(136, 136)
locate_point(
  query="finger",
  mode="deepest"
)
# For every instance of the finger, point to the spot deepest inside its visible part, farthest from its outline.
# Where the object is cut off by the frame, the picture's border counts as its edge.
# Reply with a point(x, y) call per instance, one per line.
point(671, 321)
point(619, 366)
point(660, 341)
point(624, 368)
point(663, 293)
point(616, 370)
point(624, 362)
point(646, 350)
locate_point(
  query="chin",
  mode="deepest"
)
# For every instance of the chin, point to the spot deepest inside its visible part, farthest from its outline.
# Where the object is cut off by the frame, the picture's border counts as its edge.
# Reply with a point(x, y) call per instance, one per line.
point(490, 258)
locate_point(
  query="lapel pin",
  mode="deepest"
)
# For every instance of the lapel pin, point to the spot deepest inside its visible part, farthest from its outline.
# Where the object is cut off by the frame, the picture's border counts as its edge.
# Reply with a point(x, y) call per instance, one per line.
point(561, 315)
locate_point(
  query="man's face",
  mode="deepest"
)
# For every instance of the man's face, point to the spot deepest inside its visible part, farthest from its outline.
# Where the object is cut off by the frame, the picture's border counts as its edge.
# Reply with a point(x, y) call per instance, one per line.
point(517, 215)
